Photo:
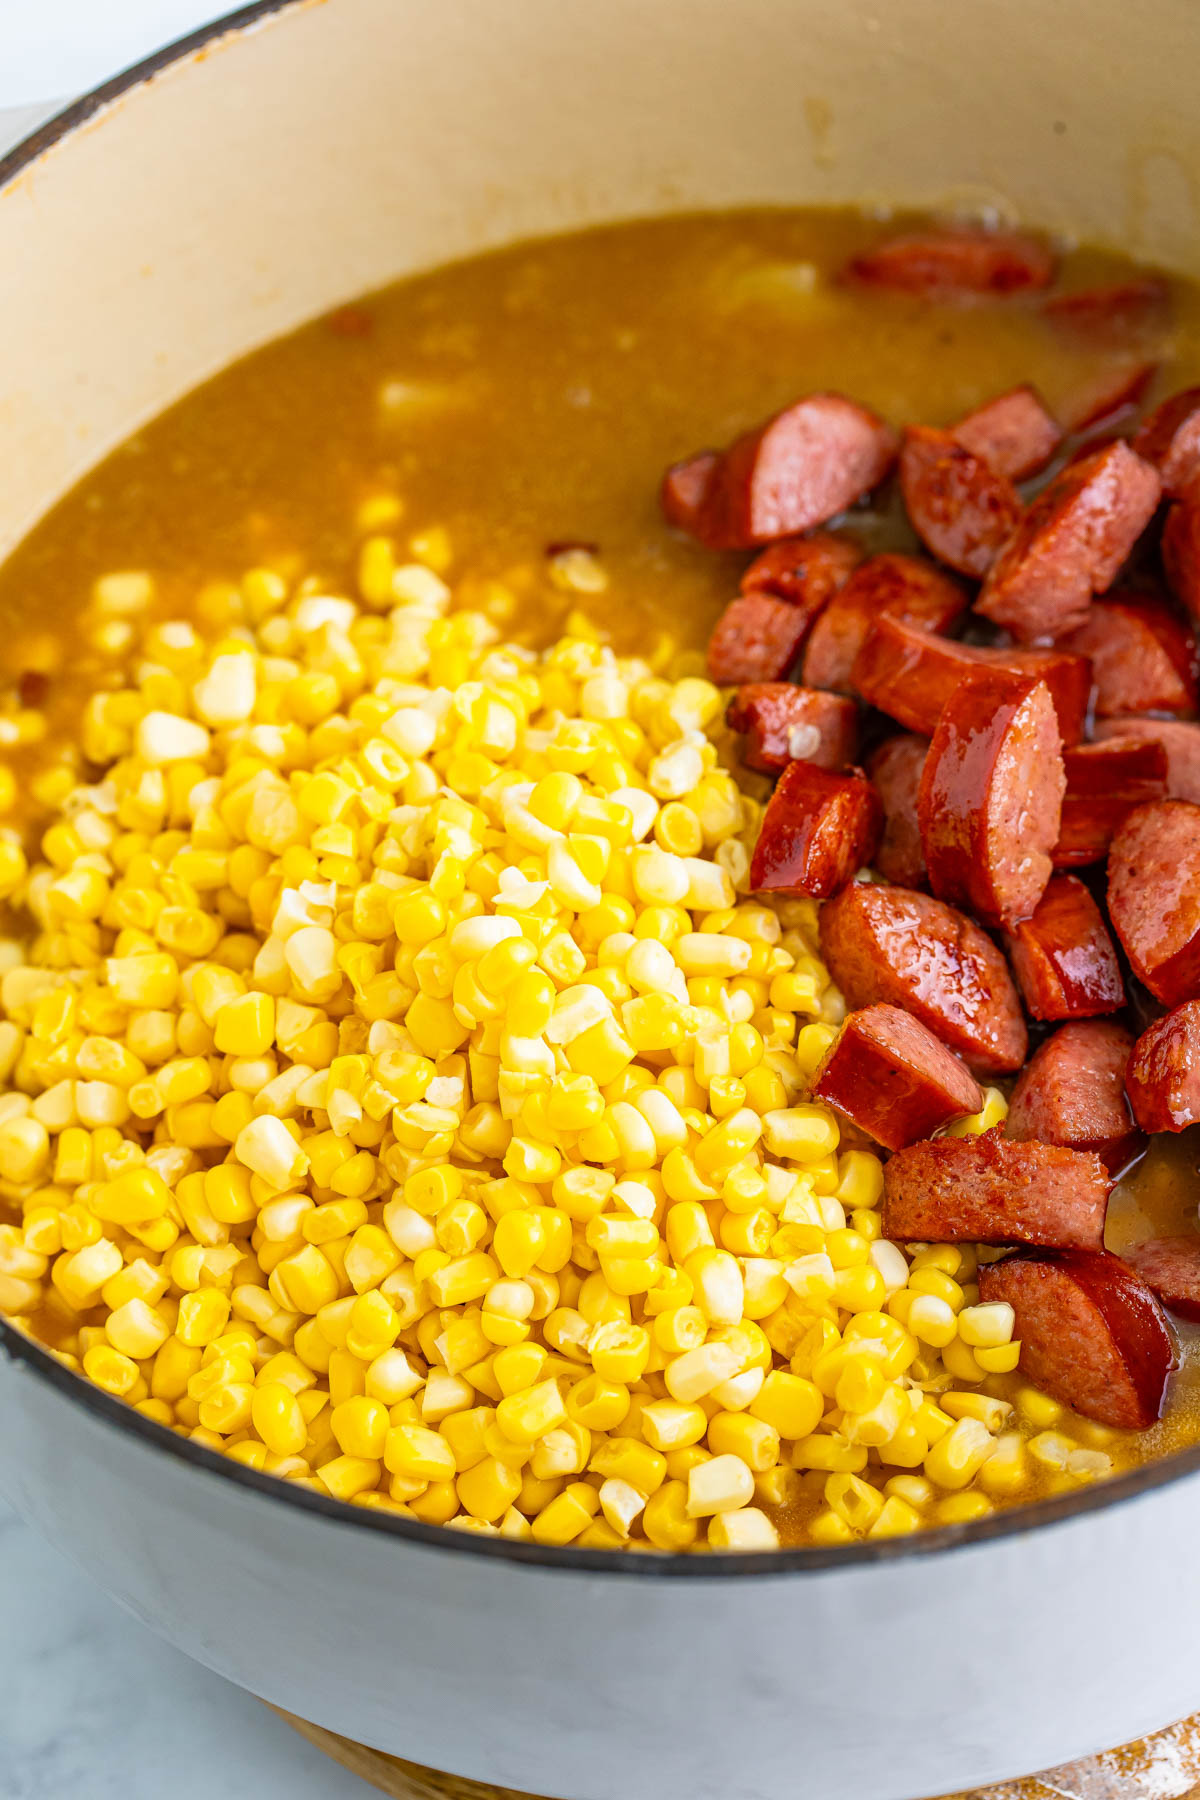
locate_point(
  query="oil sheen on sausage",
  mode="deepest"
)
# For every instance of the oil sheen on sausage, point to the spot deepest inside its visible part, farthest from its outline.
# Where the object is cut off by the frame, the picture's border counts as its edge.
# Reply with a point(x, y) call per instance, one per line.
point(818, 830)
point(991, 796)
point(1092, 1333)
point(1154, 897)
point(1063, 957)
point(896, 1081)
point(902, 948)
point(993, 1190)
point(1072, 1092)
point(911, 674)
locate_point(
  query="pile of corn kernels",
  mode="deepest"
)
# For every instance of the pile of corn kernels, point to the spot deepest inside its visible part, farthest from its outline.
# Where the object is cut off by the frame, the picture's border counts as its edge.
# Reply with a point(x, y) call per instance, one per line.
point(403, 1096)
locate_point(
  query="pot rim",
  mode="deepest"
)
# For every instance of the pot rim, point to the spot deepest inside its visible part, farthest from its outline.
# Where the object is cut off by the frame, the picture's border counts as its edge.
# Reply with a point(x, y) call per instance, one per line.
point(25, 1353)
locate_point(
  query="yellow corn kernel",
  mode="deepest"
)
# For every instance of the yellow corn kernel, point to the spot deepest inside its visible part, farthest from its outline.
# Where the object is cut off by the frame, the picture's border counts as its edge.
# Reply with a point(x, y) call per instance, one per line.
point(420, 1454)
point(671, 1425)
point(746, 1528)
point(360, 1426)
point(345, 1477)
point(488, 1489)
point(666, 1520)
point(276, 1416)
point(569, 1514)
point(959, 1454)
point(789, 1403)
point(896, 1518)
point(962, 1509)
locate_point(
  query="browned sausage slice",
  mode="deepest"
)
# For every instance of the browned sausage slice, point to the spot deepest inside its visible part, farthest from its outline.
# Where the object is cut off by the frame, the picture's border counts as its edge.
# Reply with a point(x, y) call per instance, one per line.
point(1105, 781)
point(1092, 1333)
point(1180, 744)
point(756, 638)
point(991, 796)
point(891, 1076)
point(895, 768)
point(805, 464)
point(1143, 659)
point(1064, 960)
point(818, 830)
point(1181, 548)
point(1171, 1266)
point(1014, 433)
point(956, 262)
point(959, 507)
point(685, 487)
point(1154, 896)
point(1070, 544)
point(1117, 316)
point(892, 586)
point(1072, 1092)
point(911, 675)
point(1163, 1077)
point(1104, 399)
point(1170, 439)
point(782, 722)
point(894, 946)
point(808, 571)
point(990, 1190)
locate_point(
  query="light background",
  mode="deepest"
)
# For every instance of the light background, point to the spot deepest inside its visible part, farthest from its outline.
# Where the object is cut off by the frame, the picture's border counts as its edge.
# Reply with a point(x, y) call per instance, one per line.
point(54, 49)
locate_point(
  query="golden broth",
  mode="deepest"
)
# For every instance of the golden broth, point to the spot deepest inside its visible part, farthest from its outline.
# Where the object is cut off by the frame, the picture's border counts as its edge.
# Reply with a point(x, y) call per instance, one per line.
point(527, 399)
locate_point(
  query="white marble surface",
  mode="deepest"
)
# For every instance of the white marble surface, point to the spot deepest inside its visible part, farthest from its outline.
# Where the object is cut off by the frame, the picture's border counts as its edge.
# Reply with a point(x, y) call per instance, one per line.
point(92, 1707)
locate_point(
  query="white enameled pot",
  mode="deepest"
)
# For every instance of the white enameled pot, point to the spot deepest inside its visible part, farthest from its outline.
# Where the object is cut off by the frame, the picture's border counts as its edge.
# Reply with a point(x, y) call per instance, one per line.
point(291, 158)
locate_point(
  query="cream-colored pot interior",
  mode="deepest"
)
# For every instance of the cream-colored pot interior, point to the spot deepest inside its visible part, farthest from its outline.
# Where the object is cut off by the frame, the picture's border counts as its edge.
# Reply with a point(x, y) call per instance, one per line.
point(256, 182)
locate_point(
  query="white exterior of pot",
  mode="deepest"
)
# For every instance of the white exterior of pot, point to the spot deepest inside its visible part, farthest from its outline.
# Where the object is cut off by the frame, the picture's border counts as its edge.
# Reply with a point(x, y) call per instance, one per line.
point(972, 1661)
point(319, 150)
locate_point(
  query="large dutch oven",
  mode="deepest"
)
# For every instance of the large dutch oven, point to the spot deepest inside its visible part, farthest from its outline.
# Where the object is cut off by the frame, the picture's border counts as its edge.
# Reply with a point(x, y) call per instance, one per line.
point(280, 162)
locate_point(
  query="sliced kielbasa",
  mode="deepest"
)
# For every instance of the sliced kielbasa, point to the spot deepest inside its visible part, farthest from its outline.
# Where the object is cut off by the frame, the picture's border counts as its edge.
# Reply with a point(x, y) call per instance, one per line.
point(1170, 439)
point(760, 634)
point(991, 1190)
point(1092, 1333)
point(685, 487)
point(896, 1081)
point(1171, 1267)
point(893, 946)
point(1104, 399)
point(1181, 548)
point(955, 262)
point(991, 796)
point(892, 586)
point(962, 510)
point(1072, 1092)
point(1105, 781)
point(1163, 1077)
point(1143, 659)
point(782, 722)
point(895, 768)
point(1154, 896)
point(805, 464)
point(911, 674)
point(808, 571)
point(818, 830)
point(1119, 316)
point(756, 638)
point(1064, 960)
point(1014, 433)
point(1070, 544)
